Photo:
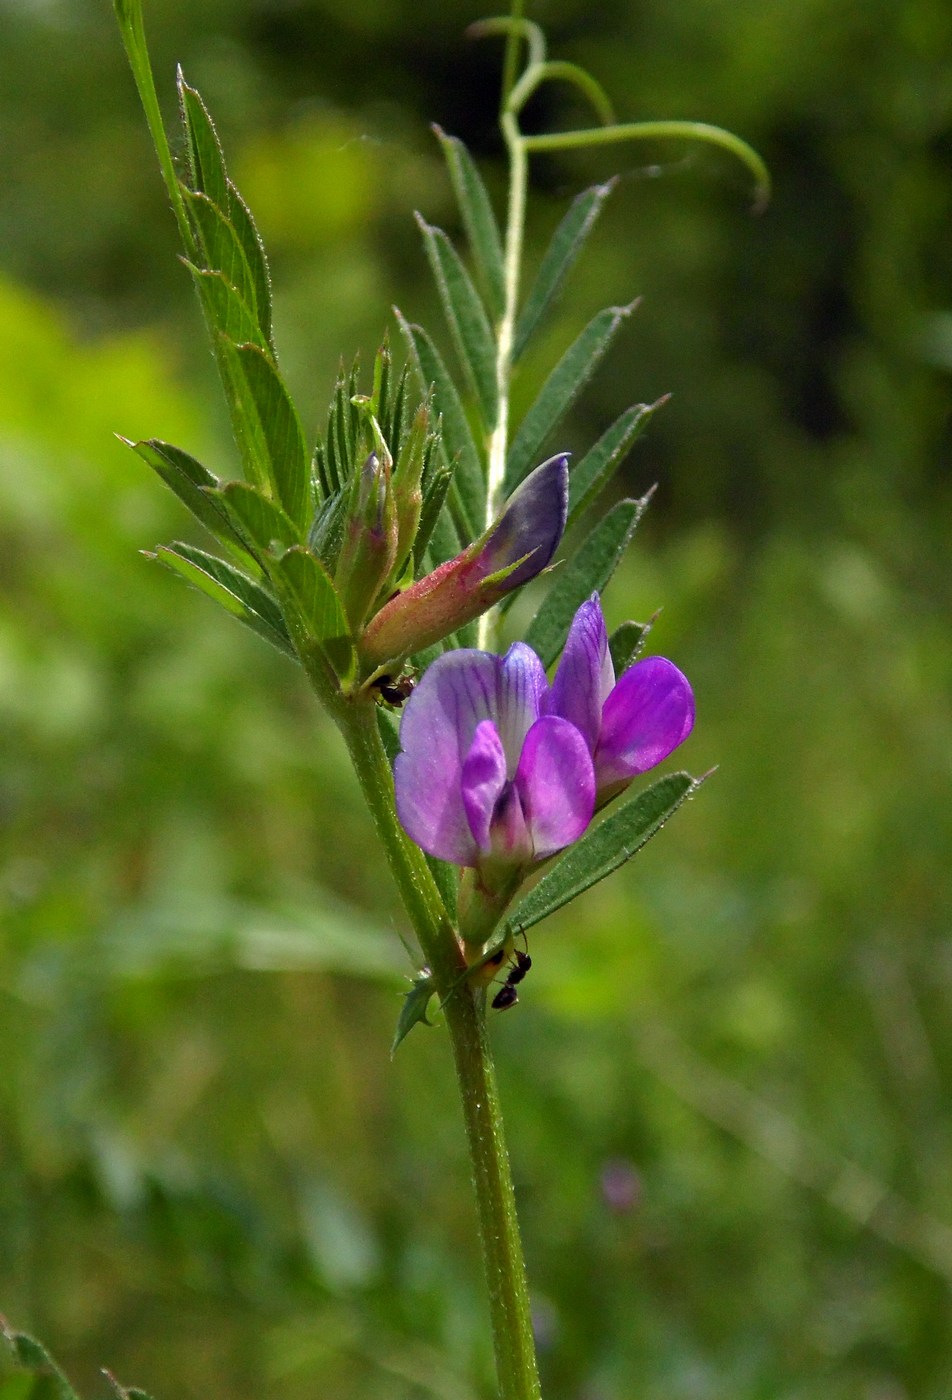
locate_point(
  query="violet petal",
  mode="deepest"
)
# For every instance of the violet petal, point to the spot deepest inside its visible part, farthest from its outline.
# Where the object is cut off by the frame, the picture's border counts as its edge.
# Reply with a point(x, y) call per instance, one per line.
point(648, 714)
point(454, 695)
point(521, 691)
point(585, 675)
point(555, 781)
point(482, 779)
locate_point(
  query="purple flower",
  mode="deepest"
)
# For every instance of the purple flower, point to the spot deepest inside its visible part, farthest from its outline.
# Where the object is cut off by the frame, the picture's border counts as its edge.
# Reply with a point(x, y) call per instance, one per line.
point(486, 776)
point(498, 769)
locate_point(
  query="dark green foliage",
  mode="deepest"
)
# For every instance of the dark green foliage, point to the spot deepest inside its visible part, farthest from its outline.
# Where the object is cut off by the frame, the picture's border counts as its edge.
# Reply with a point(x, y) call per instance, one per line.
point(626, 642)
point(479, 221)
point(468, 493)
point(560, 390)
point(466, 317)
point(45, 1380)
point(270, 433)
point(195, 486)
point(597, 468)
point(237, 593)
point(255, 517)
point(560, 257)
point(415, 1004)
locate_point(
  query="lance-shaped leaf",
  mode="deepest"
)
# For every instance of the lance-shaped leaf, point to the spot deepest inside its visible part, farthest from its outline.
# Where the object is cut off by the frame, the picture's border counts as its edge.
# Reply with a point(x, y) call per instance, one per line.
point(267, 429)
point(305, 584)
point(413, 1011)
point(466, 318)
point(226, 312)
point(194, 485)
point(444, 542)
point(253, 248)
point(586, 572)
point(237, 593)
point(125, 1392)
point(207, 176)
point(559, 259)
point(221, 252)
point(462, 458)
point(434, 495)
point(32, 1356)
point(598, 466)
point(561, 389)
point(626, 642)
point(206, 164)
point(603, 849)
point(479, 221)
point(390, 401)
point(256, 517)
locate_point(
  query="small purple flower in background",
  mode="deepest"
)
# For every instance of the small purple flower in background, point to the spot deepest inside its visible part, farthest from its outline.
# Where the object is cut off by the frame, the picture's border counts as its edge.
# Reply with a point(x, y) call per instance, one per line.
point(621, 1185)
point(499, 769)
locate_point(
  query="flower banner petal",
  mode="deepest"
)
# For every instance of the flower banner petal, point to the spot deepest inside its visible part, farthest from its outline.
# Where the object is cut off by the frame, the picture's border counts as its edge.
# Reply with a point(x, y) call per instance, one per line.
point(585, 675)
point(521, 697)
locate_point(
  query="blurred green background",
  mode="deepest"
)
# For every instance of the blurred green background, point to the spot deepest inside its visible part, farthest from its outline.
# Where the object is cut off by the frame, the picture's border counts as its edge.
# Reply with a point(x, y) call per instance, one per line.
point(727, 1079)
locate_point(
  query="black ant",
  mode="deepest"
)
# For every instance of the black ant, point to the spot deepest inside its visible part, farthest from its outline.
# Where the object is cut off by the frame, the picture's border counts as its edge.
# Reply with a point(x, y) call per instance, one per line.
point(507, 995)
point(393, 690)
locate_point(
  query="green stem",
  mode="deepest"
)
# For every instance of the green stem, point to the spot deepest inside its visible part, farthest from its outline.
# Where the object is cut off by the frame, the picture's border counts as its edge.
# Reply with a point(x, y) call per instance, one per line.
point(505, 339)
point(511, 60)
point(132, 29)
point(659, 130)
point(464, 1009)
point(516, 1368)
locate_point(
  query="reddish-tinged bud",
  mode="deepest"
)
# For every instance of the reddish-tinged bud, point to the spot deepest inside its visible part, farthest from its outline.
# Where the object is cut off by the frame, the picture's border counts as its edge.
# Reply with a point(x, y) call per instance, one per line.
point(369, 549)
point(513, 550)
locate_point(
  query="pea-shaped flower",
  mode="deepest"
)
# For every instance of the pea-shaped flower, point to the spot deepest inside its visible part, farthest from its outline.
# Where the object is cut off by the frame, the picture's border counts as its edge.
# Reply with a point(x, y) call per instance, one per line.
point(485, 776)
point(499, 769)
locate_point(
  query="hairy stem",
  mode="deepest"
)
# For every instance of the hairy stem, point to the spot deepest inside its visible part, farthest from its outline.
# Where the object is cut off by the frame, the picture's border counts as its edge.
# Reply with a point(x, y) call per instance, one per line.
point(464, 1009)
point(132, 29)
point(505, 338)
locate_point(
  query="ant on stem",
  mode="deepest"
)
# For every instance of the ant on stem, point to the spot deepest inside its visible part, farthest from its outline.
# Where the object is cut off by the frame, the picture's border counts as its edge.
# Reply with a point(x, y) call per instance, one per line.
point(519, 965)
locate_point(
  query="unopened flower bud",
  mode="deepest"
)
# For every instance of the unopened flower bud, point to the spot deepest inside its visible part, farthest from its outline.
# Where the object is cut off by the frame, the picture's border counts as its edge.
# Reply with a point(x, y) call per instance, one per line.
point(511, 552)
point(369, 546)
